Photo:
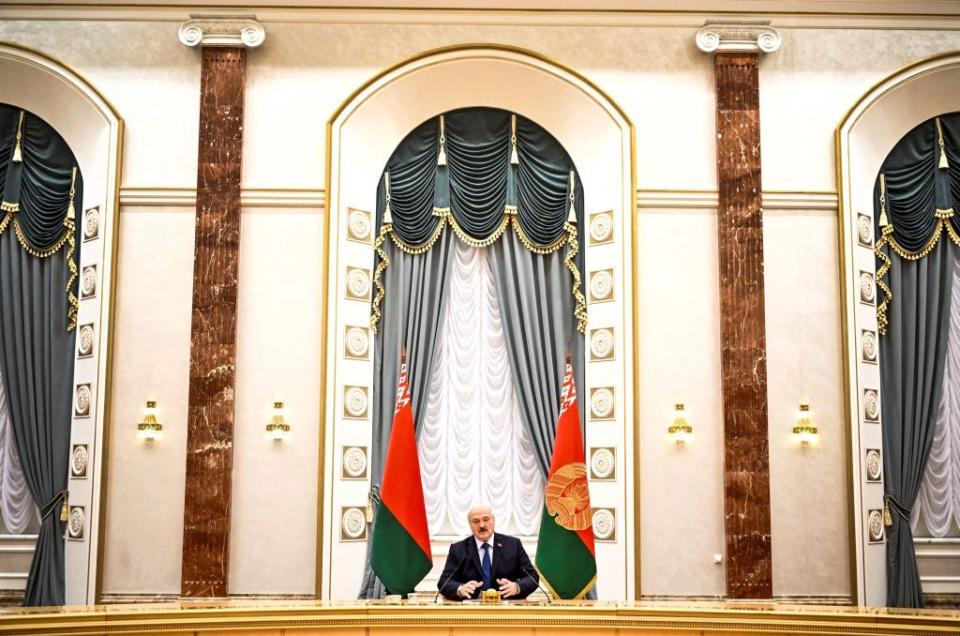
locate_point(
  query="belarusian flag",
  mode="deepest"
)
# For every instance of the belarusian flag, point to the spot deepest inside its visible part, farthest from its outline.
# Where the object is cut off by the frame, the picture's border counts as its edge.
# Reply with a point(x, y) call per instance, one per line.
point(566, 559)
point(400, 555)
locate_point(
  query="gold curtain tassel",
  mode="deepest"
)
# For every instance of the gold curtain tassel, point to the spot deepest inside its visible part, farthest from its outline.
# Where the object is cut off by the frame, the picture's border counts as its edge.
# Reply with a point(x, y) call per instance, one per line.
point(17, 154)
point(442, 157)
point(887, 517)
point(884, 222)
point(572, 216)
point(387, 215)
point(64, 509)
point(514, 157)
point(71, 211)
point(943, 165)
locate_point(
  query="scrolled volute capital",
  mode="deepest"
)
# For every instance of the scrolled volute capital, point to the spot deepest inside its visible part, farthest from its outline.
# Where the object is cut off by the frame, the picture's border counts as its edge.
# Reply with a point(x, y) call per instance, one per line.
point(738, 38)
point(232, 31)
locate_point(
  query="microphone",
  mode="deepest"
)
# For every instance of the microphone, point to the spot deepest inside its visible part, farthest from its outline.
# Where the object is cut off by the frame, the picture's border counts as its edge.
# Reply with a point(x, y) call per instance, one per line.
point(445, 581)
point(536, 577)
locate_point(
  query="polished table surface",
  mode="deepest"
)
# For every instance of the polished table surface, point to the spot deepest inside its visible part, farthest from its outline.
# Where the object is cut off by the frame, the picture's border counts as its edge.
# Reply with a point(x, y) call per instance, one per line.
point(372, 618)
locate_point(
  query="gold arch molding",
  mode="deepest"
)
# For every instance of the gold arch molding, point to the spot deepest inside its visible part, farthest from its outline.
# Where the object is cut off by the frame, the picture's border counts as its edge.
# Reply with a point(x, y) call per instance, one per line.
point(535, 62)
point(74, 107)
point(866, 133)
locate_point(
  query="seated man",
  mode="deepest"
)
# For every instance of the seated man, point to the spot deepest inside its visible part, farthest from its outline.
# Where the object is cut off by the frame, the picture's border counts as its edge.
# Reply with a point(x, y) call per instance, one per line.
point(485, 561)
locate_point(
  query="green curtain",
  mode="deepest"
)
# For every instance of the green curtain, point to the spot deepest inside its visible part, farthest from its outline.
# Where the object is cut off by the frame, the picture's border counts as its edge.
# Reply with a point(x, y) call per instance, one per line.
point(38, 302)
point(916, 231)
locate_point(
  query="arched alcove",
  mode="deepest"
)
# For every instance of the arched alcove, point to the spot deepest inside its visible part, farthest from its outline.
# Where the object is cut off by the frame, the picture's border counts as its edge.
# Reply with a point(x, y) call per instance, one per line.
point(93, 130)
point(868, 132)
point(361, 135)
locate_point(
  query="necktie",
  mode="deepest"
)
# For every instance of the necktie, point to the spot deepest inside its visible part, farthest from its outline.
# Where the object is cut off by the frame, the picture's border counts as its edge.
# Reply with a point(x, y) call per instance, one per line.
point(487, 583)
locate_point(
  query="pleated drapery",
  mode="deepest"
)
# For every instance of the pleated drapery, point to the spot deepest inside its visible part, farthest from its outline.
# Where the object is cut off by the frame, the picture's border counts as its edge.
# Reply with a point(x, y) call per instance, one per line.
point(42, 189)
point(915, 196)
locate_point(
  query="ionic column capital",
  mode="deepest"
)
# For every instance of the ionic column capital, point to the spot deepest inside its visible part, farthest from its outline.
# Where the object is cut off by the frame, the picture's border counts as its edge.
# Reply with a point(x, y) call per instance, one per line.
point(757, 37)
point(232, 31)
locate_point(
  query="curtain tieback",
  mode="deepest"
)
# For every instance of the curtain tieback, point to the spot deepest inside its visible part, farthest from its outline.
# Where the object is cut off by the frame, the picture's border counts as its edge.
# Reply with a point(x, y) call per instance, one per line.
point(890, 503)
point(59, 499)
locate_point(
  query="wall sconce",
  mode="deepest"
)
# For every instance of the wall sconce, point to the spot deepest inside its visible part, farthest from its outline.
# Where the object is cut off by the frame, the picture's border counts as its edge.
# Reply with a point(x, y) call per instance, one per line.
point(680, 431)
point(805, 432)
point(150, 429)
point(278, 429)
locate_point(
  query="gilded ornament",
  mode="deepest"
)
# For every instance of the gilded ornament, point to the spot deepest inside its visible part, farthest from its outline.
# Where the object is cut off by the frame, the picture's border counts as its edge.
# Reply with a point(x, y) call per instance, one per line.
point(871, 405)
point(85, 341)
point(78, 461)
point(601, 285)
point(88, 282)
point(868, 341)
point(867, 290)
point(568, 498)
point(75, 523)
point(601, 344)
point(353, 524)
point(358, 283)
point(355, 402)
point(864, 230)
point(354, 462)
point(874, 464)
point(601, 403)
point(603, 463)
point(875, 525)
point(81, 403)
point(356, 343)
point(91, 224)
point(604, 524)
point(601, 228)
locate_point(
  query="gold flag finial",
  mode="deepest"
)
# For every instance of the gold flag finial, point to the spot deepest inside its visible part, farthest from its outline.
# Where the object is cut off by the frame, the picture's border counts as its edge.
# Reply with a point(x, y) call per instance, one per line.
point(442, 157)
point(17, 154)
point(943, 165)
point(572, 216)
point(514, 157)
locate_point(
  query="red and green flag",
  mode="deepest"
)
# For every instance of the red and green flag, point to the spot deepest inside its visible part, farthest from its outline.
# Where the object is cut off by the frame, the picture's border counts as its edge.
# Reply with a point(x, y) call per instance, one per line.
point(400, 555)
point(566, 559)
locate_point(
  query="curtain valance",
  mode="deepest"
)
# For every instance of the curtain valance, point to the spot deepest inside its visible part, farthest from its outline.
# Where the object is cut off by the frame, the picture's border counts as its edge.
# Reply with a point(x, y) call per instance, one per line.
point(42, 188)
point(915, 196)
point(480, 171)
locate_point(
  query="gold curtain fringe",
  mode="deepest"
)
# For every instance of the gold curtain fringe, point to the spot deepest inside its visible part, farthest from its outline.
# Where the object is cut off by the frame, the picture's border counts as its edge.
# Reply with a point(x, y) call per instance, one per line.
point(71, 299)
point(425, 246)
point(580, 303)
point(887, 239)
point(569, 238)
point(7, 206)
point(375, 314)
point(472, 242)
point(5, 221)
point(562, 240)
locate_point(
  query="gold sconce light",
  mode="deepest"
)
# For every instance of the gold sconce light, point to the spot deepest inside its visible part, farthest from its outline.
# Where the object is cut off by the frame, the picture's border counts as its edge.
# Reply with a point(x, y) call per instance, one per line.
point(278, 429)
point(805, 432)
point(150, 429)
point(680, 431)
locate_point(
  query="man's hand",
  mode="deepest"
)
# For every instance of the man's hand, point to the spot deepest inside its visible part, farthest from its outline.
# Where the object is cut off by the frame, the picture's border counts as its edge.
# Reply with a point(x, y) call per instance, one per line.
point(508, 588)
point(466, 590)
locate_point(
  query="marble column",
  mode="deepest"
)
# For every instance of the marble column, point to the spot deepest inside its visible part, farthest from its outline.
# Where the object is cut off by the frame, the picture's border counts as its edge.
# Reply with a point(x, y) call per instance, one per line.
point(210, 417)
point(746, 468)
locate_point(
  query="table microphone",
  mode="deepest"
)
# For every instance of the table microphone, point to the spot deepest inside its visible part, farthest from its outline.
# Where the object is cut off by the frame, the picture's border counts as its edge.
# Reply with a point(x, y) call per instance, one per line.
point(445, 581)
point(537, 579)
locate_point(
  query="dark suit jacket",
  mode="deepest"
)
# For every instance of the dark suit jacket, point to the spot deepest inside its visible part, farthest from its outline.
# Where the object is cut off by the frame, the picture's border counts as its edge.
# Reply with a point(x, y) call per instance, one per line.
point(510, 561)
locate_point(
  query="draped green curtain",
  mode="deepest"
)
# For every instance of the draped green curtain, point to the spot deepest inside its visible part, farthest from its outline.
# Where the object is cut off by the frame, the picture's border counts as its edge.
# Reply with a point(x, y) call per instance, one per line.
point(42, 189)
point(916, 231)
point(473, 175)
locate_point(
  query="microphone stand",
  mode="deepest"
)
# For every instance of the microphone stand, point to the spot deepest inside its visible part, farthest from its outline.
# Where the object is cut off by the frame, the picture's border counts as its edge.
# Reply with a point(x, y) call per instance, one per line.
point(445, 581)
point(537, 579)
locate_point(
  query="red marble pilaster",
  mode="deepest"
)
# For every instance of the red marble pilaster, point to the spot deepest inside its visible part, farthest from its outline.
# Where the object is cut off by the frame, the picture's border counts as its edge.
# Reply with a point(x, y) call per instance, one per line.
point(746, 467)
point(206, 515)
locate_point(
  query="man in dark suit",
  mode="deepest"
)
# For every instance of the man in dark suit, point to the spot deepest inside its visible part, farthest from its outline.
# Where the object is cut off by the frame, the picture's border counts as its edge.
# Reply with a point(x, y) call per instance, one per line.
point(486, 560)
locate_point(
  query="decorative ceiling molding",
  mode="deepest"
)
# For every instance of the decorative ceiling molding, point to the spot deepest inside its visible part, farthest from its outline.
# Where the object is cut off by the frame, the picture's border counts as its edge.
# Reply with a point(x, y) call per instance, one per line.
point(217, 30)
point(757, 37)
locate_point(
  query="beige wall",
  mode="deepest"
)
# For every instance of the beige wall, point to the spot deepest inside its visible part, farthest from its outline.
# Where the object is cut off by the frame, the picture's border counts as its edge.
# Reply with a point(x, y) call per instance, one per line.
point(294, 84)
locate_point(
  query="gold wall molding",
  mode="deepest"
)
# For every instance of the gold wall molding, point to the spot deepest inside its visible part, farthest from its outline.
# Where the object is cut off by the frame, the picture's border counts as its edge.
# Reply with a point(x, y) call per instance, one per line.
point(647, 199)
point(936, 15)
point(692, 618)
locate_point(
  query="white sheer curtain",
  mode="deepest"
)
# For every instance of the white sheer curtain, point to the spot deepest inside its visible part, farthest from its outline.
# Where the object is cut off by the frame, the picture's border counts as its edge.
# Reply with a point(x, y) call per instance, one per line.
point(936, 512)
point(16, 504)
point(473, 445)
